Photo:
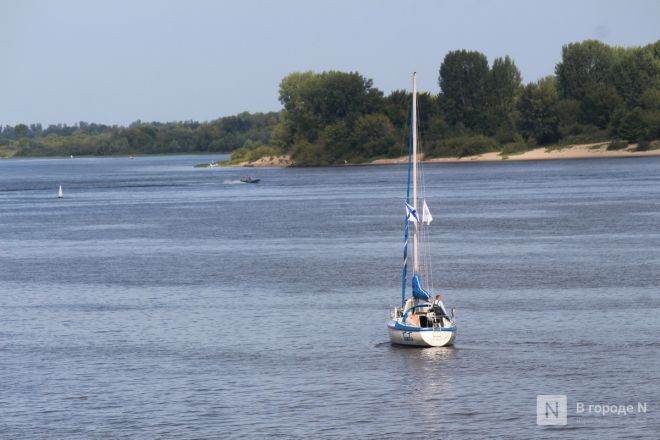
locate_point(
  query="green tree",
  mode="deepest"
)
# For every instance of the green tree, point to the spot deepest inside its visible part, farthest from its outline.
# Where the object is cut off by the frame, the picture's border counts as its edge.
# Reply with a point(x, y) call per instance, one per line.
point(538, 111)
point(628, 124)
point(313, 101)
point(428, 109)
point(504, 82)
point(637, 70)
point(583, 66)
point(306, 153)
point(396, 106)
point(598, 105)
point(651, 113)
point(463, 79)
point(21, 131)
point(336, 142)
point(568, 113)
point(504, 85)
point(373, 135)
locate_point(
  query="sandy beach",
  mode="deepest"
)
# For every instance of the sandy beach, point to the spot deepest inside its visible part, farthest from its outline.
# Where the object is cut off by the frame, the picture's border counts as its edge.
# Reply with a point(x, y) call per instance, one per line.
point(582, 151)
point(273, 161)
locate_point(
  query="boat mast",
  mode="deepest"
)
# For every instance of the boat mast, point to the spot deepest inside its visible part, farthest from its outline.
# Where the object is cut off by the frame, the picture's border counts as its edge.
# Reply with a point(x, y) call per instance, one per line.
point(414, 171)
point(413, 122)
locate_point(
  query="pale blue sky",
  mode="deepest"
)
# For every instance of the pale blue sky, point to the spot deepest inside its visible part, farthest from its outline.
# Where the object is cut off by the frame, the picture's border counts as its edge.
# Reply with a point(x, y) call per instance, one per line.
point(117, 61)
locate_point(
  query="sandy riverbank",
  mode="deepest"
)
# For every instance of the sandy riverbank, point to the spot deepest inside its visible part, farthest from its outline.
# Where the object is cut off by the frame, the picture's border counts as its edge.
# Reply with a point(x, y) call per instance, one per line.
point(273, 161)
point(582, 151)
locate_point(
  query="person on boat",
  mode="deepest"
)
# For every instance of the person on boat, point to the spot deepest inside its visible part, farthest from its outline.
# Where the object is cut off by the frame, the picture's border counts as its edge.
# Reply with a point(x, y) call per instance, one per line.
point(439, 309)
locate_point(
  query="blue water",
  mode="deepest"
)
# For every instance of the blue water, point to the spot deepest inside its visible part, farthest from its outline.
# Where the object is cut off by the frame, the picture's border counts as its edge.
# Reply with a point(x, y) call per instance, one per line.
point(157, 300)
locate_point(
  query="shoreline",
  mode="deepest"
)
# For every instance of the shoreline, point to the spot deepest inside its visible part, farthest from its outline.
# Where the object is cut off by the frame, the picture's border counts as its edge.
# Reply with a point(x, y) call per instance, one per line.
point(597, 150)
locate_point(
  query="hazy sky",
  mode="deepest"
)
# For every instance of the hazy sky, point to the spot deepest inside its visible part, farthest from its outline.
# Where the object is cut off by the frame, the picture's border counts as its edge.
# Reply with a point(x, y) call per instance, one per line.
point(117, 61)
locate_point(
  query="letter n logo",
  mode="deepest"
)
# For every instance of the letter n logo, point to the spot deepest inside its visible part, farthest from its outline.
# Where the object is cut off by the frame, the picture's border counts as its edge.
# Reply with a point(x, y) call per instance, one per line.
point(551, 409)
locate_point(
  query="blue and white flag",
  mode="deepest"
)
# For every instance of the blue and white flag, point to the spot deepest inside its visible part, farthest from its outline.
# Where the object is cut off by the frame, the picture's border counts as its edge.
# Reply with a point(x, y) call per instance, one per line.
point(411, 214)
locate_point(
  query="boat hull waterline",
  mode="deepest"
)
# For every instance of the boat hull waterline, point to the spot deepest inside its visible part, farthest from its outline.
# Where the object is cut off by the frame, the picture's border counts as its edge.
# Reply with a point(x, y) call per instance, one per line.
point(421, 337)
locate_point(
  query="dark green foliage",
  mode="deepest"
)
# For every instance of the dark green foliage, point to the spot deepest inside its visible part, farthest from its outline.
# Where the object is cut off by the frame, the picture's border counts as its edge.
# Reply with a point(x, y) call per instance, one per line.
point(21, 131)
point(644, 146)
point(337, 117)
point(221, 135)
point(428, 111)
point(650, 101)
point(304, 153)
point(373, 135)
point(313, 101)
point(609, 84)
point(583, 134)
point(636, 70)
point(568, 111)
point(518, 146)
point(396, 107)
point(463, 80)
point(539, 118)
point(503, 90)
point(617, 145)
point(598, 104)
point(628, 124)
point(583, 66)
point(462, 146)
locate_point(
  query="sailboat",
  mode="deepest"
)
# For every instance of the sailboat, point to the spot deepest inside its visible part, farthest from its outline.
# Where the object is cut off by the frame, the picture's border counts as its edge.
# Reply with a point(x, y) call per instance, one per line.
point(60, 193)
point(420, 320)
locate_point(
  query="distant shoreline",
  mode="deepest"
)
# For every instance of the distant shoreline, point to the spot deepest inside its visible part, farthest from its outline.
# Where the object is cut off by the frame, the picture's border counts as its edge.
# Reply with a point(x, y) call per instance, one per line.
point(116, 156)
point(596, 150)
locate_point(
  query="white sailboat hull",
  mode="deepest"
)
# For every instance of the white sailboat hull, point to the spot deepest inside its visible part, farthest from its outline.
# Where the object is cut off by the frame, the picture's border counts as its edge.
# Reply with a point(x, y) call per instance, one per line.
point(421, 337)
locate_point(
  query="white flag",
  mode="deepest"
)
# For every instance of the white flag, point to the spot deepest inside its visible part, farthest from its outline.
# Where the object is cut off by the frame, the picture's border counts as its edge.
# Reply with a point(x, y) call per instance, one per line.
point(426, 214)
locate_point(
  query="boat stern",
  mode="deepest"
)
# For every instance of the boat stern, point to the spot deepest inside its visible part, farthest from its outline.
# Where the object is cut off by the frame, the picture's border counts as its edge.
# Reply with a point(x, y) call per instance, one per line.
point(420, 336)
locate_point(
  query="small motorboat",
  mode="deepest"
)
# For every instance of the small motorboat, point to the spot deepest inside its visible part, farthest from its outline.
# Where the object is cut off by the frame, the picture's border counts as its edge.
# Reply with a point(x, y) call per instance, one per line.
point(249, 179)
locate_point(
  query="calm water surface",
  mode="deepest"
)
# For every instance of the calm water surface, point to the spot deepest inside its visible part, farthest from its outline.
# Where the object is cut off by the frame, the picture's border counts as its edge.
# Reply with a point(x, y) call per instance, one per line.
point(162, 301)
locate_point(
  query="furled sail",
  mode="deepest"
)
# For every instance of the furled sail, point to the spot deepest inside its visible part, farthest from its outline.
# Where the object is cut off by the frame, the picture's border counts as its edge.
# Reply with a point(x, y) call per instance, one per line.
point(418, 290)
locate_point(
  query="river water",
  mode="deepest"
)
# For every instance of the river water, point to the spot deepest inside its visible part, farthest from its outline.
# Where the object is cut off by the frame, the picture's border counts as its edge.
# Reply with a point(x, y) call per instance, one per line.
point(157, 300)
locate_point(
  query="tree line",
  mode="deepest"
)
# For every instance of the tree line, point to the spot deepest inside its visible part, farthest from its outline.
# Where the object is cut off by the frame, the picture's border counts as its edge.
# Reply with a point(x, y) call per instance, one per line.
point(596, 93)
point(221, 135)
